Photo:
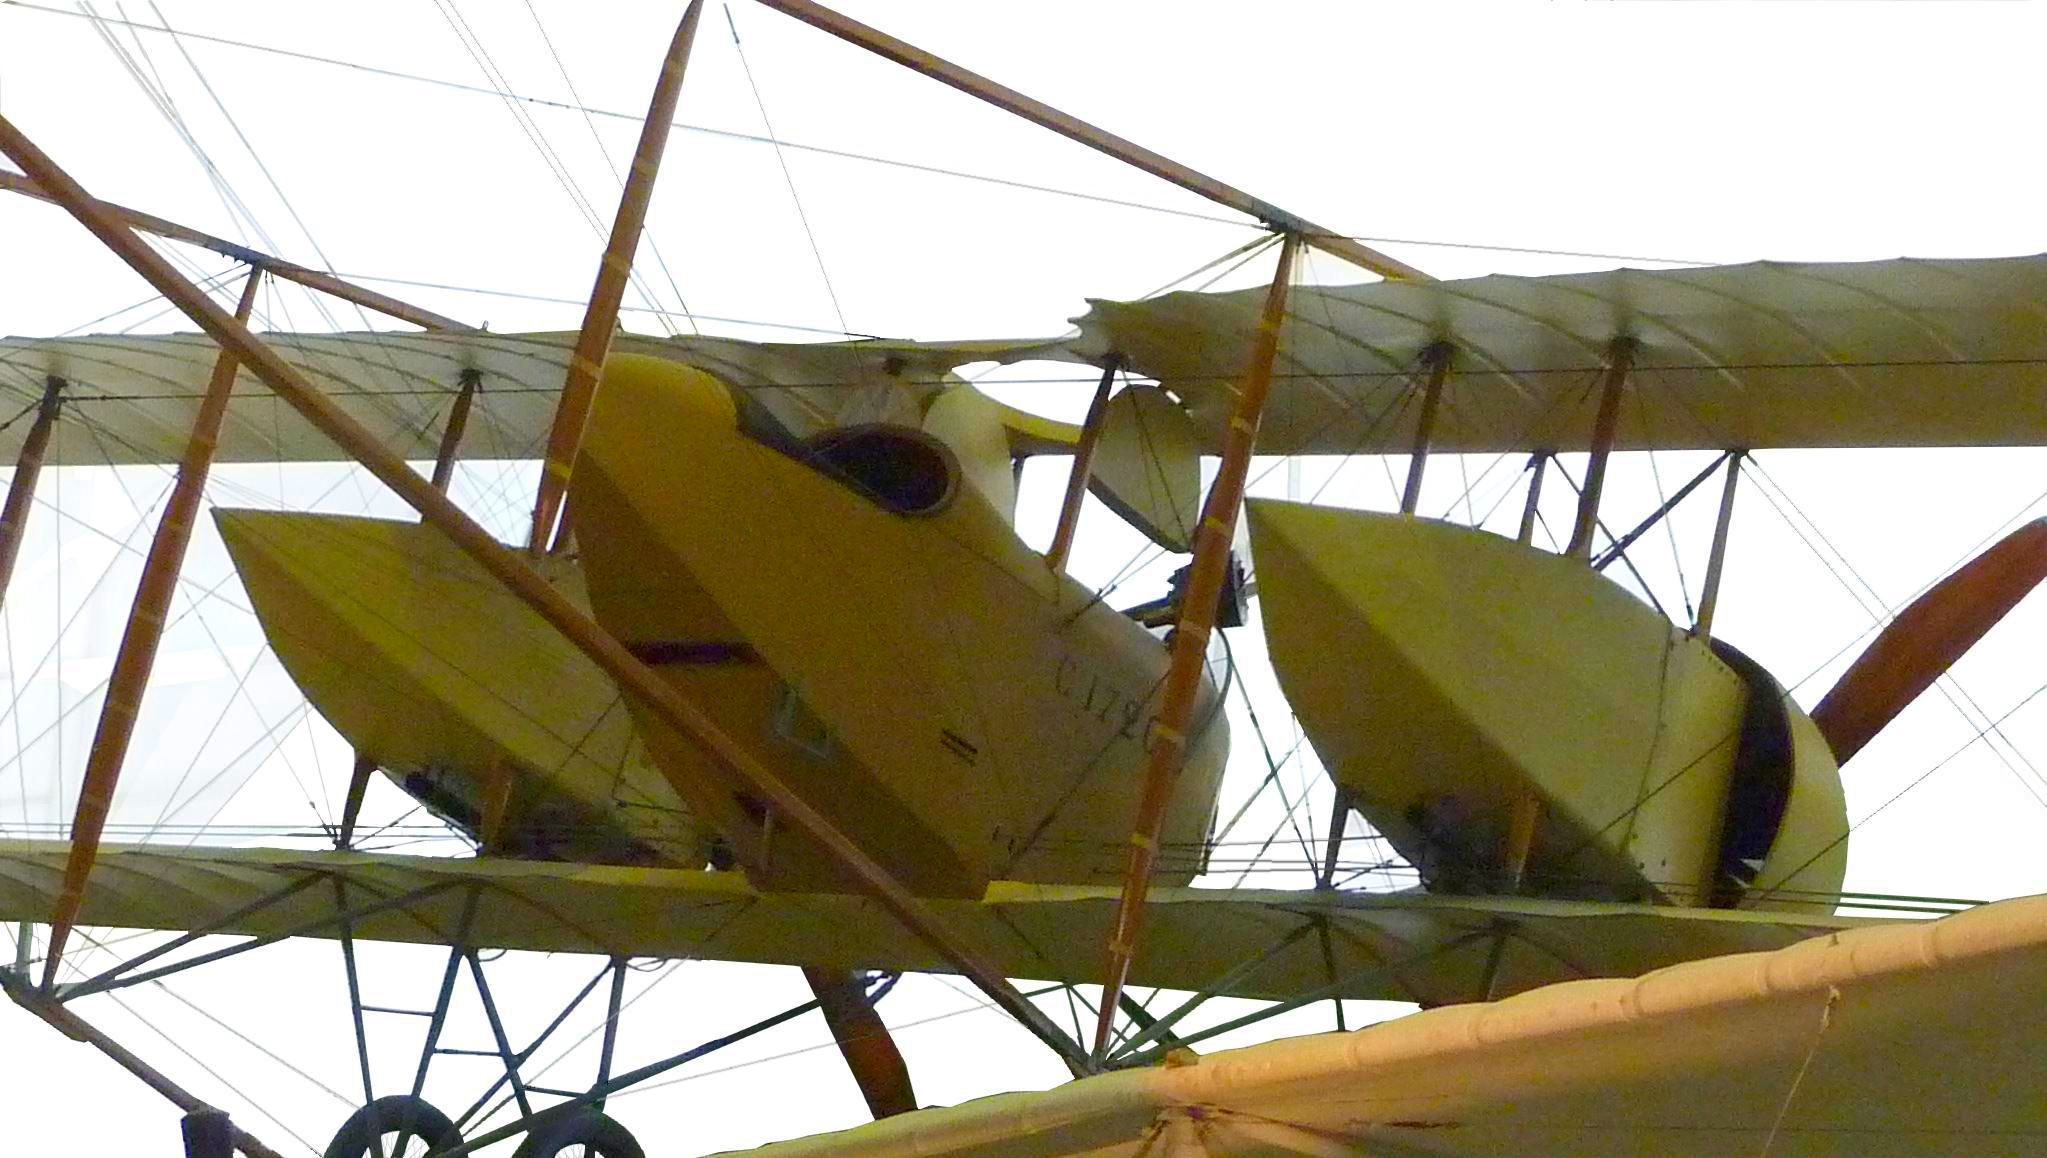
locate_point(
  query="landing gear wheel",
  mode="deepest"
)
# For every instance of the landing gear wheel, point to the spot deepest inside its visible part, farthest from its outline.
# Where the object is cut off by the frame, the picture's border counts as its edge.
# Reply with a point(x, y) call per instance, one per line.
point(407, 1127)
point(584, 1134)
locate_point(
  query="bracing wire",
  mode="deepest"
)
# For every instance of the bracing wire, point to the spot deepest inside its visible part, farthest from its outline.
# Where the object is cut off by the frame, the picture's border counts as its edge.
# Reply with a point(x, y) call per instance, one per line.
point(788, 177)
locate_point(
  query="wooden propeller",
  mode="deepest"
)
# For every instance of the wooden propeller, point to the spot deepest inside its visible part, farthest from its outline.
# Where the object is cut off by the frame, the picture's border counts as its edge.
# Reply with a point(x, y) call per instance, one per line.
point(1928, 636)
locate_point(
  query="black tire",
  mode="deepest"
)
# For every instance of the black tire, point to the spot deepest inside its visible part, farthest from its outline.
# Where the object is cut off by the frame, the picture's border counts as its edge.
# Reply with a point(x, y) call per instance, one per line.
point(388, 1115)
point(601, 1137)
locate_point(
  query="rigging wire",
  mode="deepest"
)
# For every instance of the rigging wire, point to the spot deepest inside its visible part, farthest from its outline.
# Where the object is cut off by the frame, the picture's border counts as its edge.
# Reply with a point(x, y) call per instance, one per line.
point(788, 177)
point(936, 170)
point(1668, 519)
point(609, 161)
point(564, 177)
point(1958, 697)
point(1915, 782)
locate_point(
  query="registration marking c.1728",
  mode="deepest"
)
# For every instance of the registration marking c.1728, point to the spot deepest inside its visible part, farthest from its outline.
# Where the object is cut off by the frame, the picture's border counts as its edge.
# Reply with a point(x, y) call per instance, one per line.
point(1097, 697)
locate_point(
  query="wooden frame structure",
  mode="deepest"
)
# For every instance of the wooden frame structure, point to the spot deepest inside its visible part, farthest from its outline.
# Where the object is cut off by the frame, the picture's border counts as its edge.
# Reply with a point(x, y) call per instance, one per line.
point(114, 225)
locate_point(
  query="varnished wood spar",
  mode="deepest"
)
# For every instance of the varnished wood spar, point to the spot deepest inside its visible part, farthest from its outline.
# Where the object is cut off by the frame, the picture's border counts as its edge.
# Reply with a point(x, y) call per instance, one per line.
point(78, 1029)
point(1169, 739)
point(21, 489)
point(1709, 596)
point(1438, 359)
point(137, 654)
point(600, 318)
point(730, 761)
point(1620, 358)
point(276, 266)
point(1083, 470)
point(1158, 165)
point(451, 434)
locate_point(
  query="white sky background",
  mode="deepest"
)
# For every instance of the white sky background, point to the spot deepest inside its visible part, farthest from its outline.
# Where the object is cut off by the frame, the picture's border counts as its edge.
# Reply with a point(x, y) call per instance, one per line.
point(1702, 132)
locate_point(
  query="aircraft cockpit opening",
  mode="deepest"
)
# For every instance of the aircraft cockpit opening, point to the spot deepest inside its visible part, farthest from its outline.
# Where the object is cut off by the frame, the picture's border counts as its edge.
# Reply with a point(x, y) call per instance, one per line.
point(903, 470)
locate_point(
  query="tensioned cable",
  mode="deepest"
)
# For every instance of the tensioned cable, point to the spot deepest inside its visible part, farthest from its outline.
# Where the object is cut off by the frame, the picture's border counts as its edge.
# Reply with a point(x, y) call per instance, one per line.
point(1881, 612)
point(1969, 553)
point(73, 966)
point(675, 966)
point(1951, 688)
point(1272, 775)
point(1900, 793)
point(1663, 502)
point(788, 177)
point(1957, 696)
point(198, 616)
point(237, 208)
point(160, 100)
point(936, 170)
point(609, 161)
point(195, 609)
point(473, 44)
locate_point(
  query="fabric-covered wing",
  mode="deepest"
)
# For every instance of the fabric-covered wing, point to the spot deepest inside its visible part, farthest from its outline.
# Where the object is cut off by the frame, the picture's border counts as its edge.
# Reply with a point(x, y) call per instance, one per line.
point(1885, 353)
point(131, 398)
point(1920, 1039)
point(1395, 947)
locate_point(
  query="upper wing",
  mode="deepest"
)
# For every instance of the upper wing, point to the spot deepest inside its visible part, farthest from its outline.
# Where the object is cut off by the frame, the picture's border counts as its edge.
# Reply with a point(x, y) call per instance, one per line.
point(1883, 353)
point(1396, 947)
point(132, 398)
point(1887, 353)
point(1922, 1039)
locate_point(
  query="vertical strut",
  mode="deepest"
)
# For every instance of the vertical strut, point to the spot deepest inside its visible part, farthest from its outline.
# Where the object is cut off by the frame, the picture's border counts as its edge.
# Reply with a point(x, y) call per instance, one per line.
point(495, 788)
point(137, 654)
point(611, 1008)
point(1523, 815)
point(579, 388)
point(1189, 646)
point(1437, 358)
point(351, 805)
point(439, 1017)
point(1083, 469)
point(1339, 820)
point(1530, 509)
point(1620, 356)
point(497, 1033)
point(21, 489)
point(732, 762)
point(21, 494)
point(1709, 596)
point(451, 434)
point(362, 1037)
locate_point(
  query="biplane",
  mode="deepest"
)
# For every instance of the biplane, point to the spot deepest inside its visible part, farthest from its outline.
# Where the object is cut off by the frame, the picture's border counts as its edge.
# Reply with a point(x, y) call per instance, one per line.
point(775, 679)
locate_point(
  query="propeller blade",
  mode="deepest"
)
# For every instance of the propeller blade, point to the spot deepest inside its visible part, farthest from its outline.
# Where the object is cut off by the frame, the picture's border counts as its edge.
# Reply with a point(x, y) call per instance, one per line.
point(1927, 637)
point(864, 1041)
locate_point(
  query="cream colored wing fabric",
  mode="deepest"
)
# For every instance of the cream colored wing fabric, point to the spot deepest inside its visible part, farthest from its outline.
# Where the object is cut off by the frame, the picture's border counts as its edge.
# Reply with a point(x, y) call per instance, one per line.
point(1917, 1039)
point(1885, 353)
point(1397, 947)
point(1147, 467)
point(131, 398)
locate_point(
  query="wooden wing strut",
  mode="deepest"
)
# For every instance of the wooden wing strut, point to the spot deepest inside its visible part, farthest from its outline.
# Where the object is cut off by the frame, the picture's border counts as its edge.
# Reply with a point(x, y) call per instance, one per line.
point(137, 655)
point(726, 756)
point(593, 342)
point(1169, 739)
